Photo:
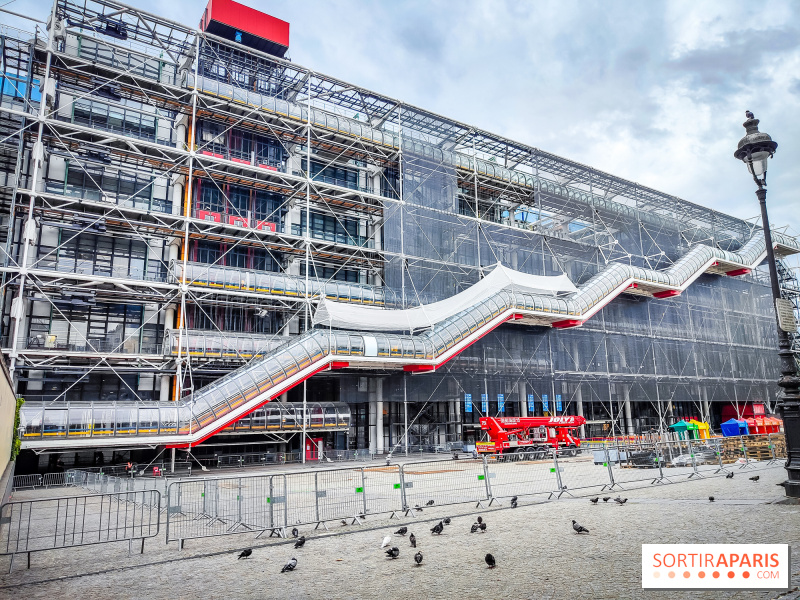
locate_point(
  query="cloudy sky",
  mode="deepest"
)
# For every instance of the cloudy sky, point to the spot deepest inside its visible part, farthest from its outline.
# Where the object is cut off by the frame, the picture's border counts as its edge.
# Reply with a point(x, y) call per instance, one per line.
point(654, 91)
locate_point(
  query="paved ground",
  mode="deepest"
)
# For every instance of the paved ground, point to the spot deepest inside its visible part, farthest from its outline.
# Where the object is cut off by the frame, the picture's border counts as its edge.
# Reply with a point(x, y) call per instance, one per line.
point(537, 552)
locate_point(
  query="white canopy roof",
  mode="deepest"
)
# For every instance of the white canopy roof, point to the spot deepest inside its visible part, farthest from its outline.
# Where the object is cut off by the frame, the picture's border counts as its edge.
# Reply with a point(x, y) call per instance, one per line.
point(350, 316)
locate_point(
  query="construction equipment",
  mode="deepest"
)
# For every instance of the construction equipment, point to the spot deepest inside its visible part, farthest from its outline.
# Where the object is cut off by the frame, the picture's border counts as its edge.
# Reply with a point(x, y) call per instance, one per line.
point(530, 434)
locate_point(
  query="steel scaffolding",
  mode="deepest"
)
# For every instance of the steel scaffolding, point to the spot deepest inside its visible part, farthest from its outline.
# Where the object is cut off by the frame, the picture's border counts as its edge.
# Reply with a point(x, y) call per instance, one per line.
point(178, 203)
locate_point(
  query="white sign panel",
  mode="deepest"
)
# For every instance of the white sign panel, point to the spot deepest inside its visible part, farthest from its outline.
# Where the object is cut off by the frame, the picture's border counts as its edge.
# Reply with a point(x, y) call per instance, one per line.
point(786, 318)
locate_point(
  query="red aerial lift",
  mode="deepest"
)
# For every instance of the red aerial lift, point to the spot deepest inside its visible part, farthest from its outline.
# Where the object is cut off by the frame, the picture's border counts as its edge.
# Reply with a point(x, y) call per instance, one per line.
point(525, 434)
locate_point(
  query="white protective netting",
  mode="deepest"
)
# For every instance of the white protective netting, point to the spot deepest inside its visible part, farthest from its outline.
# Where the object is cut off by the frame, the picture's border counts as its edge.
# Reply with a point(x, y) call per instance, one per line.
point(349, 316)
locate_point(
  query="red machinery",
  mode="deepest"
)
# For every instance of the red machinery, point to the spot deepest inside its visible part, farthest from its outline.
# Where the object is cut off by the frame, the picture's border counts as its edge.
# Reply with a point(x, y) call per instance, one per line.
point(521, 434)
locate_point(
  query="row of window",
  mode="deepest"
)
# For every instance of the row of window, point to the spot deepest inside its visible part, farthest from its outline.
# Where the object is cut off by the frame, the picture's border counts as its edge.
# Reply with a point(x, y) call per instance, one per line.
point(118, 119)
point(239, 256)
point(123, 60)
point(89, 254)
point(244, 69)
point(332, 174)
point(238, 201)
point(90, 181)
point(241, 144)
point(232, 319)
point(76, 326)
point(331, 273)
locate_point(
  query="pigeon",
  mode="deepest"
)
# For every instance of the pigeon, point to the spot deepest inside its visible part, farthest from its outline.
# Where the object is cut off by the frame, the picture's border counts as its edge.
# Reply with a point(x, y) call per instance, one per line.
point(474, 528)
point(755, 478)
point(480, 519)
point(418, 558)
point(579, 528)
point(619, 500)
point(393, 552)
point(417, 508)
point(490, 561)
point(607, 498)
point(300, 543)
point(413, 539)
point(401, 531)
point(711, 498)
point(344, 522)
point(447, 521)
point(429, 503)
point(386, 541)
point(438, 528)
point(482, 526)
point(749, 115)
point(594, 500)
point(729, 475)
point(245, 553)
point(514, 502)
point(295, 532)
point(289, 566)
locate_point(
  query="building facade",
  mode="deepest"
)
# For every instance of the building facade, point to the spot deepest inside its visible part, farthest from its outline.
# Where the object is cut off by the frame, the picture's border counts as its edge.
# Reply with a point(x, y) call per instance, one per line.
point(176, 202)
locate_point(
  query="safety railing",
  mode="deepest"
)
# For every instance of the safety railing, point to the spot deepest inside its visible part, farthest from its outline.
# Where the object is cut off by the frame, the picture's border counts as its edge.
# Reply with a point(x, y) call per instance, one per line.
point(28, 526)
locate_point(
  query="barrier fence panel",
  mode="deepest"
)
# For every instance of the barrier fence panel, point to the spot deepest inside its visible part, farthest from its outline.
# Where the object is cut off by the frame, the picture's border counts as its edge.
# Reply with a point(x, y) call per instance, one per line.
point(777, 443)
point(22, 482)
point(50, 523)
point(445, 482)
point(508, 478)
point(677, 460)
point(305, 496)
point(637, 464)
point(707, 454)
point(326, 495)
point(383, 489)
point(757, 449)
point(589, 470)
point(277, 498)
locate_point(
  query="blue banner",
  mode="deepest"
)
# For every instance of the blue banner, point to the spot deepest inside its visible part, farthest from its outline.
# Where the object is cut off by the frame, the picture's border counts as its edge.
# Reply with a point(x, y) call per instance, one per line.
point(545, 403)
point(468, 403)
point(531, 404)
point(558, 402)
point(501, 403)
point(484, 403)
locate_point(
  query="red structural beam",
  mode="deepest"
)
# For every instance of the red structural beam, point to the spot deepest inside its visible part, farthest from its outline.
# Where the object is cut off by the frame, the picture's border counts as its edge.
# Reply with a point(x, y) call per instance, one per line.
point(566, 324)
point(667, 294)
point(737, 272)
point(418, 368)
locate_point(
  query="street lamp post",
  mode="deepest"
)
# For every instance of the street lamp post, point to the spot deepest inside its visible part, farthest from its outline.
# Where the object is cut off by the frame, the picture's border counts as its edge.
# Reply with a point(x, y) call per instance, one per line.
point(755, 149)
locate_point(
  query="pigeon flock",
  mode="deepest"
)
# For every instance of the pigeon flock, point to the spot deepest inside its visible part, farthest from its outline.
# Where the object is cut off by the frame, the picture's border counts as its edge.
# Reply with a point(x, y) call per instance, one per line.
point(393, 552)
point(618, 500)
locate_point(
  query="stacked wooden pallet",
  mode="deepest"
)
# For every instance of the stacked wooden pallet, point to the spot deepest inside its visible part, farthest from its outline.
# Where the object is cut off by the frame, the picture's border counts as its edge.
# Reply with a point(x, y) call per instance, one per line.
point(754, 447)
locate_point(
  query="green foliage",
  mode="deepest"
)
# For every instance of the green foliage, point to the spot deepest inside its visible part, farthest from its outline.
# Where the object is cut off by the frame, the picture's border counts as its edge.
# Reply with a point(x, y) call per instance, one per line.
point(16, 443)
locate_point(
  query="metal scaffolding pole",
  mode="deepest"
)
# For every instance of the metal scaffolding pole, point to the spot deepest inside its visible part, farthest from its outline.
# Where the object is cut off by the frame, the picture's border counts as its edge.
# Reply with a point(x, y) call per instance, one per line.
point(37, 155)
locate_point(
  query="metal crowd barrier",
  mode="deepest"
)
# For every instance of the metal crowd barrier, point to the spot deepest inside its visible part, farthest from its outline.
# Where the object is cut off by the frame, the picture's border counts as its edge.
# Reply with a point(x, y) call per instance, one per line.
point(100, 483)
point(269, 504)
point(22, 482)
point(28, 526)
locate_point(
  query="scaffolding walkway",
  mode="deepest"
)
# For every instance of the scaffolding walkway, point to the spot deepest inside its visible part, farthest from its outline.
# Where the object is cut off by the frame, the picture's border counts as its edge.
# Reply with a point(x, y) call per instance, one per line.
point(215, 407)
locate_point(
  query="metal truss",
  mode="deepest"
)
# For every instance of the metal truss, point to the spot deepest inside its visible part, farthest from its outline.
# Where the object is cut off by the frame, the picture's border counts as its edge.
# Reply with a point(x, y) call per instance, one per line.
point(116, 57)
